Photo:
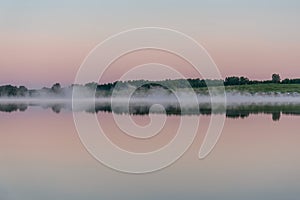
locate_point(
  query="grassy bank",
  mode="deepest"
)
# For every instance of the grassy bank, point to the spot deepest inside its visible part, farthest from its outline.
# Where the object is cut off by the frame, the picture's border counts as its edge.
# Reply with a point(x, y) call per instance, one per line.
point(259, 88)
point(265, 88)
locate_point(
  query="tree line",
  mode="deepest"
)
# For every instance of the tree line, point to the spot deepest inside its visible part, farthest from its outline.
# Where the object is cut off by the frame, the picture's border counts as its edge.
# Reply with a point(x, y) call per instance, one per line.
point(106, 89)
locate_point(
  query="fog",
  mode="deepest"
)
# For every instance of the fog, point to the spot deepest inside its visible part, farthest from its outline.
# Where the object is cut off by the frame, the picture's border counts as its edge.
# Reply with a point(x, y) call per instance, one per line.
point(151, 96)
point(141, 101)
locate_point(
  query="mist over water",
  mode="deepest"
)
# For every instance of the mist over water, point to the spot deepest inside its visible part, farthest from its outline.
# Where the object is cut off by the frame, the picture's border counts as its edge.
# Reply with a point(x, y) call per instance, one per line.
point(159, 96)
point(238, 105)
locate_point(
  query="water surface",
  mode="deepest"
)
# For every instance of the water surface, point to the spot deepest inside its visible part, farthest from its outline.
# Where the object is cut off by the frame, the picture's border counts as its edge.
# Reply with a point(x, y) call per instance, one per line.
point(256, 157)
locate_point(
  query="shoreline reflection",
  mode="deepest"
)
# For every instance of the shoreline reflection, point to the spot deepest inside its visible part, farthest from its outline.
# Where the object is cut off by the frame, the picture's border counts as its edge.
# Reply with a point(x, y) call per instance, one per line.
point(232, 111)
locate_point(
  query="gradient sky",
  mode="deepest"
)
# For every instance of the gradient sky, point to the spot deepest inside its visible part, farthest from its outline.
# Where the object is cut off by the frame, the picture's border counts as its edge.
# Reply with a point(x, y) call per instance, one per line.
point(42, 42)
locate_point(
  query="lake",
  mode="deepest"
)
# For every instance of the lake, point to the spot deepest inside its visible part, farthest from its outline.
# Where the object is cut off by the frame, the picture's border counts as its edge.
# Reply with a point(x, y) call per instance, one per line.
point(256, 157)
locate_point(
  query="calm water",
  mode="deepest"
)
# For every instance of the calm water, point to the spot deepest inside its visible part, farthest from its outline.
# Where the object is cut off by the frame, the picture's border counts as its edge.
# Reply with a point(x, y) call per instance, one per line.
point(257, 157)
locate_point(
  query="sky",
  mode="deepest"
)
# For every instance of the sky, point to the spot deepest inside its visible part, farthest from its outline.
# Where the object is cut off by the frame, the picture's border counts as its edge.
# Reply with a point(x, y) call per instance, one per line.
point(43, 42)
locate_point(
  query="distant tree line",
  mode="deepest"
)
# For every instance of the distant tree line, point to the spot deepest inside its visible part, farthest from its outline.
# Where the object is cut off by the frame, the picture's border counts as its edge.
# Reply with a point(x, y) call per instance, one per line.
point(9, 90)
point(22, 91)
point(195, 83)
point(106, 89)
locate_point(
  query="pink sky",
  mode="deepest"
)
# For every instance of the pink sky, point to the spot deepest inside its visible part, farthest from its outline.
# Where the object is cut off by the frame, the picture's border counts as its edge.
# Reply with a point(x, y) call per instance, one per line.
point(44, 43)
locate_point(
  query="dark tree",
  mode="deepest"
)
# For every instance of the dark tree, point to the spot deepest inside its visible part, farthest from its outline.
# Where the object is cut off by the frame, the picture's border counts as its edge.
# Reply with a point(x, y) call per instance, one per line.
point(8, 90)
point(244, 80)
point(56, 88)
point(233, 80)
point(22, 91)
point(286, 81)
point(276, 78)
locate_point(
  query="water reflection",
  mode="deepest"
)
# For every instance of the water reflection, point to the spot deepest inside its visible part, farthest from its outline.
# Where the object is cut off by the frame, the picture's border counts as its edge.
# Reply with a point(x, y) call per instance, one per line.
point(42, 157)
point(232, 111)
point(12, 107)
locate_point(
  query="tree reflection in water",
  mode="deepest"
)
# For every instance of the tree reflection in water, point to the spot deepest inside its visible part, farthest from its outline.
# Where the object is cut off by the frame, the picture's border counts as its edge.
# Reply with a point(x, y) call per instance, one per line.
point(233, 111)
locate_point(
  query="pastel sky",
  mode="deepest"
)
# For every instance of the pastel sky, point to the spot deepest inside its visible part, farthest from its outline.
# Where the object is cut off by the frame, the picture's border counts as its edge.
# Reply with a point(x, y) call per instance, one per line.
point(42, 42)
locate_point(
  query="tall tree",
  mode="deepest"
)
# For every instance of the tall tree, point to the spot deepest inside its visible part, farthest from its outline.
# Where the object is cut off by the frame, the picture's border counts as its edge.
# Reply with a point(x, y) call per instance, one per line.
point(56, 88)
point(276, 78)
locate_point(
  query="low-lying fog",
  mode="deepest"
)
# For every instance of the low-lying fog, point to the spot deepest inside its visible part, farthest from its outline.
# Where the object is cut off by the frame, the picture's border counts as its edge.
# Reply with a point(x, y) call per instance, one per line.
point(232, 98)
point(81, 99)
